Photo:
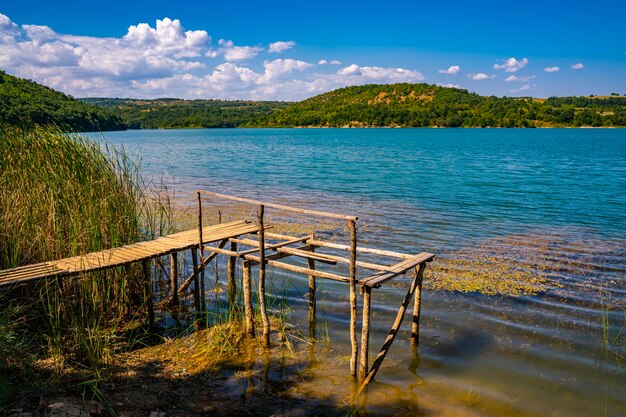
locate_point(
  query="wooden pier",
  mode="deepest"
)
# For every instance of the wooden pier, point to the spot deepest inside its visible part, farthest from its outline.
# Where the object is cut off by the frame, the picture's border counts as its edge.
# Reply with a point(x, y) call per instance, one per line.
point(254, 245)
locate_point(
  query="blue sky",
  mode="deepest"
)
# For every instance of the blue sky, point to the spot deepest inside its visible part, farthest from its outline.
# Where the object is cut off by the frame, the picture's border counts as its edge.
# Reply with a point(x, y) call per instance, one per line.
point(292, 50)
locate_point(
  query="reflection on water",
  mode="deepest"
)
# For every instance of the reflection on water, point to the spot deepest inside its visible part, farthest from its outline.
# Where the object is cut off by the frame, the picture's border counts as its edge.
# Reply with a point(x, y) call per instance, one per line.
point(524, 208)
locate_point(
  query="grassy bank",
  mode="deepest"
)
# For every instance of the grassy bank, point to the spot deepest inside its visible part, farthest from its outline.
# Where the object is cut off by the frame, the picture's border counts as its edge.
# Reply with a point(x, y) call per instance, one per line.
point(61, 196)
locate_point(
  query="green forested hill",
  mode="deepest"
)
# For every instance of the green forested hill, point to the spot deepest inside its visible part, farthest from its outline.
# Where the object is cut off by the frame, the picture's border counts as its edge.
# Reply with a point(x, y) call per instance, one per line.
point(417, 105)
point(25, 103)
point(175, 113)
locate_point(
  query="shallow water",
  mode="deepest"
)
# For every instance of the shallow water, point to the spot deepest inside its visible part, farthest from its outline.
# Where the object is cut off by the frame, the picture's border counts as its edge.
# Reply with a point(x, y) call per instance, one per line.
point(552, 198)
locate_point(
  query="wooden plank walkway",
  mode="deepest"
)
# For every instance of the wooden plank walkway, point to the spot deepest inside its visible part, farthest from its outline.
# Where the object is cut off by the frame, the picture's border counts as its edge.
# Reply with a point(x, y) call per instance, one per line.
point(124, 255)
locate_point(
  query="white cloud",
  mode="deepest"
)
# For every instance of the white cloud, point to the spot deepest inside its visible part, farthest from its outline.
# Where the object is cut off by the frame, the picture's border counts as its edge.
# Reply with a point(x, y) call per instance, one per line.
point(449, 85)
point(525, 87)
point(237, 53)
point(278, 68)
point(511, 64)
point(165, 60)
point(280, 46)
point(552, 69)
point(480, 76)
point(577, 66)
point(454, 69)
point(520, 79)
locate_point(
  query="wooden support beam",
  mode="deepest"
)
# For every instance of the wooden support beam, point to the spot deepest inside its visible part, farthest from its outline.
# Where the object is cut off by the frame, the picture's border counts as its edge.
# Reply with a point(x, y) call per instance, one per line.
point(365, 333)
point(353, 304)
point(232, 286)
point(267, 247)
point(394, 329)
point(417, 307)
point(307, 255)
point(264, 318)
point(312, 299)
point(147, 281)
point(174, 278)
point(196, 281)
point(298, 269)
point(201, 246)
point(201, 267)
point(247, 299)
point(331, 245)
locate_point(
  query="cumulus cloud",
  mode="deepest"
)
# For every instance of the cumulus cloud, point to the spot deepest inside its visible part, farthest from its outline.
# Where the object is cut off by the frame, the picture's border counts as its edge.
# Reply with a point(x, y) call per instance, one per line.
point(449, 85)
point(480, 76)
point(577, 66)
point(280, 46)
point(232, 52)
point(520, 79)
point(166, 60)
point(525, 87)
point(380, 74)
point(511, 64)
point(552, 69)
point(454, 69)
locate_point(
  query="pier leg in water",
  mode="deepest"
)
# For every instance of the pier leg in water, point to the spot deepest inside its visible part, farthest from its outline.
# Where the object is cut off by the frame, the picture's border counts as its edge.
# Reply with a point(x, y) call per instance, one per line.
point(265, 320)
point(147, 282)
point(196, 281)
point(247, 299)
point(365, 333)
point(201, 241)
point(394, 329)
point(232, 285)
point(353, 307)
point(417, 306)
point(174, 278)
point(312, 299)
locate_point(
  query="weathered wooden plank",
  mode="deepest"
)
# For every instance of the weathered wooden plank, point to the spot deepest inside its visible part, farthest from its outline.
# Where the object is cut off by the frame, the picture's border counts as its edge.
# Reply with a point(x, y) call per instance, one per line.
point(380, 278)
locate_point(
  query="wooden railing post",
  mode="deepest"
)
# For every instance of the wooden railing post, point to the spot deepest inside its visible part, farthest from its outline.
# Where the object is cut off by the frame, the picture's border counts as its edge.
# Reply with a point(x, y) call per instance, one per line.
point(263, 308)
point(196, 281)
point(247, 298)
point(353, 306)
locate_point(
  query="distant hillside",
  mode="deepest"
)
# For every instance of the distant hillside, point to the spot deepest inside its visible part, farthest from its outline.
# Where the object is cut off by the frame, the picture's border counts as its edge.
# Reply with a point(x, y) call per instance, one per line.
point(423, 105)
point(175, 113)
point(26, 103)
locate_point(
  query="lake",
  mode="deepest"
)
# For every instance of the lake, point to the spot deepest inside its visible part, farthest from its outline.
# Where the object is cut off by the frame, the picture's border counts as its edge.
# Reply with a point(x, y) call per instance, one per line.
point(549, 201)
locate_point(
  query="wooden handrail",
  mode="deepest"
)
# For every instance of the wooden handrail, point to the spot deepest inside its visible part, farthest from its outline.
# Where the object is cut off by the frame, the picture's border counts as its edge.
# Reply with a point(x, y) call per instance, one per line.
point(280, 206)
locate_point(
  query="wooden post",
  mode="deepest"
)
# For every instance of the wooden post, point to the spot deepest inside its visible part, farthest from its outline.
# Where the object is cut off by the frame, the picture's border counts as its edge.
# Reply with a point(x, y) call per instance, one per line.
point(312, 298)
point(365, 333)
point(147, 281)
point(201, 247)
point(353, 307)
point(196, 281)
point(174, 278)
point(394, 329)
point(264, 319)
point(232, 286)
point(417, 307)
point(247, 299)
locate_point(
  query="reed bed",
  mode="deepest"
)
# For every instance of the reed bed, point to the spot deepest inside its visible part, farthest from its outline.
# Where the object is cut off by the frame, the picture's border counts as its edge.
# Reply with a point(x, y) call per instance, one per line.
point(62, 195)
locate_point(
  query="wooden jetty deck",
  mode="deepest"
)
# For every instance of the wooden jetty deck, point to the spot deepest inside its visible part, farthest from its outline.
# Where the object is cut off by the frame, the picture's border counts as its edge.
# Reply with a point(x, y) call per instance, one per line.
point(268, 249)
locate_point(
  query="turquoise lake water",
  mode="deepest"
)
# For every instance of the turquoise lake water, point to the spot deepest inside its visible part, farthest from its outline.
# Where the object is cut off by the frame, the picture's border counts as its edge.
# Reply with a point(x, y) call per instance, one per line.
point(560, 194)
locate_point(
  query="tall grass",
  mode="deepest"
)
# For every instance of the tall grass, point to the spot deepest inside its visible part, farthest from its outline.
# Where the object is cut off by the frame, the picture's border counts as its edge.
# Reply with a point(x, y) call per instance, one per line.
point(63, 195)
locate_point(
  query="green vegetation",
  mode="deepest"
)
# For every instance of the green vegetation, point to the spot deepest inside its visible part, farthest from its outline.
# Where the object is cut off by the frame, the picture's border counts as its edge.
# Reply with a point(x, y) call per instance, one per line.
point(423, 105)
point(63, 195)
point(176, 114)
point(25, 103)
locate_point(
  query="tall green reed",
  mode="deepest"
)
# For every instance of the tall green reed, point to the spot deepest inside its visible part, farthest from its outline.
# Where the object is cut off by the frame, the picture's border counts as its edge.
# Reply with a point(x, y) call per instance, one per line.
point(63, 195)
